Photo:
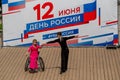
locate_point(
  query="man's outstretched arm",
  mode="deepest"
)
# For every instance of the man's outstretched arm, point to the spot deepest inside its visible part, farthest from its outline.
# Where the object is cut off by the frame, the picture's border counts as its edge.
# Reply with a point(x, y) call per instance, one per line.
point(70, 37)
point(52, 41)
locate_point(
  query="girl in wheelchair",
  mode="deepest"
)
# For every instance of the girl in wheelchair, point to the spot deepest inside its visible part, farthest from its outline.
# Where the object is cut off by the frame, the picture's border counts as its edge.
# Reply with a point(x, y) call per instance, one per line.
point(33, 52)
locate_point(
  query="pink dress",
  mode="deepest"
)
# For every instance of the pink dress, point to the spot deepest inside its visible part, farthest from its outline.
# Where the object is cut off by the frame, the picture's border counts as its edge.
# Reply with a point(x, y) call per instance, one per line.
point(33, 56)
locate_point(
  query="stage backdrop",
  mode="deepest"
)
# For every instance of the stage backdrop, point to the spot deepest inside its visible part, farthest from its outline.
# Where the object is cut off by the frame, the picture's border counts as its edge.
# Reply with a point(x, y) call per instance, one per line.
point(94, 21)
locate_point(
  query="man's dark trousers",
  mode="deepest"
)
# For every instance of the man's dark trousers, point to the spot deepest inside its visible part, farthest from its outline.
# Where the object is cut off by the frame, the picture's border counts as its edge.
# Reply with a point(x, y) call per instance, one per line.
point(64, 59)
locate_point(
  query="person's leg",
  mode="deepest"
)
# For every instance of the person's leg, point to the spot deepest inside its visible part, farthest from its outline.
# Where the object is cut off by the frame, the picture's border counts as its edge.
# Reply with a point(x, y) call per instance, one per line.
point(62, 61)
point(32, 64)
point(36, 64)
point(35, 69)
point(36, 60)
point(66, 60)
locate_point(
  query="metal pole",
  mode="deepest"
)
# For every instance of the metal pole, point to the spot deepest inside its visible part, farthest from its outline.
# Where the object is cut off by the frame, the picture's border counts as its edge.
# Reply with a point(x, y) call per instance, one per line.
point(118, 23)
point(2, 25)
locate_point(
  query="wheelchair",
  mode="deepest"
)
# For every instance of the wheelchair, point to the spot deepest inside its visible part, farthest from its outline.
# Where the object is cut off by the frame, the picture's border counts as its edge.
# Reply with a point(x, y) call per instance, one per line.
point(41, 65)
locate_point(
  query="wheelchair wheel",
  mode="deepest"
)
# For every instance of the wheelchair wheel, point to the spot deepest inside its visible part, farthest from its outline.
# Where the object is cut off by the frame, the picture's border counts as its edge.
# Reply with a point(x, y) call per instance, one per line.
point(41, 64)
point(27, 64)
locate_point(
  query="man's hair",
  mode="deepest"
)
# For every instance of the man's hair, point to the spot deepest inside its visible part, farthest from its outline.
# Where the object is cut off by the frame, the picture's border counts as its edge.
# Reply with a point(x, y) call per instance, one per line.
point(59, 33)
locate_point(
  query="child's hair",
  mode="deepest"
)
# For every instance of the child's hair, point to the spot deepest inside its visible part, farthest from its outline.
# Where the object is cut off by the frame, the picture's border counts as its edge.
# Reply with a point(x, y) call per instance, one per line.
point(34, 40)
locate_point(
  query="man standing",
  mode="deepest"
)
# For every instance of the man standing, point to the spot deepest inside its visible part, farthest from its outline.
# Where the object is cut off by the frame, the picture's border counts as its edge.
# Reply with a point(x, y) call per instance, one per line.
point(64, 50)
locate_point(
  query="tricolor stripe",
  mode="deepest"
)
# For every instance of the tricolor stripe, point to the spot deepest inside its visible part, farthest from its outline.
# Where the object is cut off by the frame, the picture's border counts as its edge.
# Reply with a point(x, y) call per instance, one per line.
point(16, 5)
point(21, 37)
point(115, 41)
point(112, 22)
point(104, 44)
point(99, 17)
point(10, 12)
point(69, 42)
point(29, 0)
point(15, 39)
point(27, 44)
point(97, 36)
point(87, 43)
point(90, 11)
point(48, 29)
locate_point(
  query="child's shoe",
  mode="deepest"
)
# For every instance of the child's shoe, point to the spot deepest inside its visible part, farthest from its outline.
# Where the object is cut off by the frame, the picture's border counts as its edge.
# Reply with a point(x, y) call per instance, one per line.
point(32, 71)
point(36, 70)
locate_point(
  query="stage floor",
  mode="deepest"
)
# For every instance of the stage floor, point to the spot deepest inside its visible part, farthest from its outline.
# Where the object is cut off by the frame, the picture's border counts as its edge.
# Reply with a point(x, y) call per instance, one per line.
point(91, 63)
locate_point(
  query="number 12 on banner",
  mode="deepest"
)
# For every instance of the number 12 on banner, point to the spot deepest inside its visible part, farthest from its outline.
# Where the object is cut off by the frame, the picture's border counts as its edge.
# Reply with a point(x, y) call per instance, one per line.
point(47, 14)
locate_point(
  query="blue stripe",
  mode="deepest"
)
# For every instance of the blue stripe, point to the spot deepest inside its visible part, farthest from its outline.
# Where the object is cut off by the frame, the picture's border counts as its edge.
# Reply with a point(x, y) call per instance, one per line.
point(4, 1)
point(99, 12)
point(90, 43)
point(21, 36)
point(64, 33)
point(97, 36)
point(16, 3)
point(90, 7)
point(11, 40)
point(104, 44)
point(109, 25)
point(73, 19)
point(26, 45)
point(116, 36)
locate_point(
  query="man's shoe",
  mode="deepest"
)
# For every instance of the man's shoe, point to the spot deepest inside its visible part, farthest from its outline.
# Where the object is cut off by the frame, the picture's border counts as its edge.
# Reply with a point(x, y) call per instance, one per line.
point(62, 72)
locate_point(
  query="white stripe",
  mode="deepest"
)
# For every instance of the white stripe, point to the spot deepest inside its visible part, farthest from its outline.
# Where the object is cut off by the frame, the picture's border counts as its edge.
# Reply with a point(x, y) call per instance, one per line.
point(10, 1)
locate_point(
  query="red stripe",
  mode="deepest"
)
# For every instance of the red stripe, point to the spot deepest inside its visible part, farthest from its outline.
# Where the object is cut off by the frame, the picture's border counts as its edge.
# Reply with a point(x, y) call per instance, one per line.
point(16, 7)
point(59, 27)
point(11, 12)
point(52, 44)
point(21, 37)
point(22, 40)
point(112, 22)
point(99, 21)
point(83, 36)
point(89, 16)
point(72, 41)
point(115, 41)
point(25, 36)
